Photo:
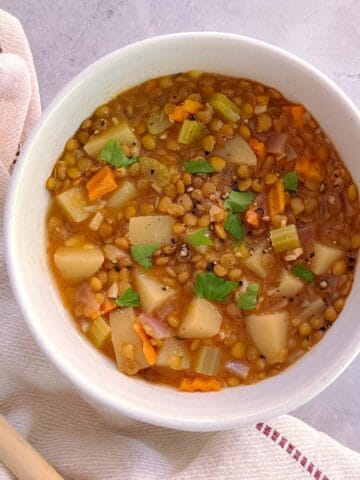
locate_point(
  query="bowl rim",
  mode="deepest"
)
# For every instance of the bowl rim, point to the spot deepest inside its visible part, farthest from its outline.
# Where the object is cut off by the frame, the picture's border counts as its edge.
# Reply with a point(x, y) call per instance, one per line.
point(75, 376)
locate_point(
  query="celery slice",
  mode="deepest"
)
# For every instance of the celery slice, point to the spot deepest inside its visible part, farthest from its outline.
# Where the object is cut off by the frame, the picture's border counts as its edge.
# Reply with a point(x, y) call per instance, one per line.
point(208, 360)
point(242, 250)
point(190, 131)
point(158, 122)
point(99, 332)
point(155, 171)
point(225, 107)
point(285, 238)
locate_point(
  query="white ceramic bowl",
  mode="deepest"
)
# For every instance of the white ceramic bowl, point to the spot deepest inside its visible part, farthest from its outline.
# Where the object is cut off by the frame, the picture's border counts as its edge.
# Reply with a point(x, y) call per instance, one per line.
point(90, 372)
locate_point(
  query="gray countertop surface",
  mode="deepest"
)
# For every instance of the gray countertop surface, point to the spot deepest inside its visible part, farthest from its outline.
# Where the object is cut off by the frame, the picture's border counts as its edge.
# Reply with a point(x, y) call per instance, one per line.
point(66, 36)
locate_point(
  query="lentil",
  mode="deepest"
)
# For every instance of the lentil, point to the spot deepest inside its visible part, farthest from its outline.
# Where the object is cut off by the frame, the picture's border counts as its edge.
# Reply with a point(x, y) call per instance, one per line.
point(233, 381)
point(330, 314)
point(235, 274)
point(220, 232)
point(271, 178)
point(208, 143)
point(243, 172)
point(220, 271)
point(148, 142)
point(339, 267)
point(264, 122)
point(218, 163)
point(228, 260)
point(72, 144)
point(178, 228)
point(190, 219)
point(297, 205)
point(238, 350)
point(244, 132)
point(305, 329)
point(51, 183)
point(244, 185)
point(258, 185)
point(352, 192)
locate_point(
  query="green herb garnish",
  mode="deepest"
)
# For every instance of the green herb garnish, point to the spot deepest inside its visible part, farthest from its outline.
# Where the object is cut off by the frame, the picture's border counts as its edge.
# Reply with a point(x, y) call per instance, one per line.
point(112, 153)
point(290, 182)
point(142, 253)
point(248, 299)
point(239, 201)
point(303, 273)
point(199, 165)
point(128, 299)
point(200, 237)
point(212, 287)
point(234, 226)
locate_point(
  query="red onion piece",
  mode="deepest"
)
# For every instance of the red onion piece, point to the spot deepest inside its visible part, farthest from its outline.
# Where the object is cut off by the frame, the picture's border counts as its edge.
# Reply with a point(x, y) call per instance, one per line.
point(163, 311)
point(306, 234)
point(113, 253)
point(261, 202)
point(239, 368)
point(291, 154)
point(324, 209)
point(251, 123)
point(85, 297)
point(333, 285)
point(262, 137)
point(307, 238)
point(276, 144)
point(349, 210)
point(154, 326)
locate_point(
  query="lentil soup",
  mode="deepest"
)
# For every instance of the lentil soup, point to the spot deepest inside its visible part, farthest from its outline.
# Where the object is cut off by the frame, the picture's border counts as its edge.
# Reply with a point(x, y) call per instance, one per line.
point(202, 230)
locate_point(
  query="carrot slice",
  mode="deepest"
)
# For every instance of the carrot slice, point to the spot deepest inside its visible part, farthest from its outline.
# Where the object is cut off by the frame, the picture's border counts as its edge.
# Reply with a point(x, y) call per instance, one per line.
point(148, 349)
point(101, 183)
point(108, 305)
point(258, 147)
point(181, 111)
point(297, 113)
point(310, 169)
point(276, 199)
point(178, 114)
point(199, 384)
point(252, 217)
point(91, 312)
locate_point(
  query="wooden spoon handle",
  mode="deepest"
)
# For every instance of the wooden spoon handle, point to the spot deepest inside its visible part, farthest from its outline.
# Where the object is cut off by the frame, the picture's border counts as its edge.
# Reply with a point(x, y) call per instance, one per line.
point(20, 457)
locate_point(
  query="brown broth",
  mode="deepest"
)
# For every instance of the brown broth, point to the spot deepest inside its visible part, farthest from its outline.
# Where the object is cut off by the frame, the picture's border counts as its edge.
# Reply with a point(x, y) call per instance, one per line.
point(328, 213)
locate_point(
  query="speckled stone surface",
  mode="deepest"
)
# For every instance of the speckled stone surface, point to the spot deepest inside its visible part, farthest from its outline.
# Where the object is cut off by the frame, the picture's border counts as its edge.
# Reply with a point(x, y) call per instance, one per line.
point(65, 36)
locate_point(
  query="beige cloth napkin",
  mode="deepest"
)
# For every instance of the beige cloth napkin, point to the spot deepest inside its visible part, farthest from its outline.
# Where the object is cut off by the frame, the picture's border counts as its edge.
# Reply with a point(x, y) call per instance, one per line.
point(44, 408)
